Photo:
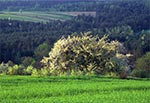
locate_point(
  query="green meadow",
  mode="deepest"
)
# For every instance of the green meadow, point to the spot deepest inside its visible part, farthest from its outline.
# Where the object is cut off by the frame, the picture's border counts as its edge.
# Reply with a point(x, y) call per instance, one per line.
point(84, 89)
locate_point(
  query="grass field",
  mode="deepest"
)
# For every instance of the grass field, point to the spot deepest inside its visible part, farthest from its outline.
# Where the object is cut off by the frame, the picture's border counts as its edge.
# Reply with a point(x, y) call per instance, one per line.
point(24, 89)
point(42, 16)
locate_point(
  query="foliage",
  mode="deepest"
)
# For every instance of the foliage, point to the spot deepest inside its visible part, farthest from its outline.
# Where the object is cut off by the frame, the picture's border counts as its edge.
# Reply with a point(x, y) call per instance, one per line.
point(121, 33)
point(140, 73)
point(29, 70)
point(41, 51)
point(35, 72)
point(143, 62)
point(139, 43)
point(3, 68)
point(16, 70)
point(26, 61)
point(147, 3)
point(142, 67)
point(42, 72)
point(122, 64)
point(84, 54)
point(30, 5)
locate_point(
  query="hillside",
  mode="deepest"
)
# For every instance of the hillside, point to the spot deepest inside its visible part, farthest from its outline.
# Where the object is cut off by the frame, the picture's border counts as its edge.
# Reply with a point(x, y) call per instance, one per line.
point(25, 26)
point(74, 51)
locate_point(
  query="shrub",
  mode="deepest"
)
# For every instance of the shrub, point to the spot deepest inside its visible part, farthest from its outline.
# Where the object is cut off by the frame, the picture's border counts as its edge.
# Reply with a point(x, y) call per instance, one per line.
point(13, 70)
point(82, 54)
point(16, 70)
point(3, 68)
point(26, 61)
point(44, 72)
point(140, 73)
point(143, 62)
point(142, 66)
point(29, 70)
point(35, 72)
point(41, 50)
point(121, 65)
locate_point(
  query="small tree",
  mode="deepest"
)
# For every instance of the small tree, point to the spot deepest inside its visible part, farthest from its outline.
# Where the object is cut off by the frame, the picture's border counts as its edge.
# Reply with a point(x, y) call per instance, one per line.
point(41, 51)
point(26, 61)
point(3, 68)
point(86, 54)
point(143, 62)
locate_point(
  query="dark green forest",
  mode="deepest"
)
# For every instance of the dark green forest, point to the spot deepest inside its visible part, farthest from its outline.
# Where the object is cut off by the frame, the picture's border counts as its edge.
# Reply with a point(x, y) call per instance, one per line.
point(42, 5)
point(127, 21)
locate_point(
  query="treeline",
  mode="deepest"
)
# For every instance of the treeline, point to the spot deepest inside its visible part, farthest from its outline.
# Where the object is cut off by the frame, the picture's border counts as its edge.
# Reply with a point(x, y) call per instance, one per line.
point(19, 39)
point(69, 5)
point(16, 44)
point(36, 5)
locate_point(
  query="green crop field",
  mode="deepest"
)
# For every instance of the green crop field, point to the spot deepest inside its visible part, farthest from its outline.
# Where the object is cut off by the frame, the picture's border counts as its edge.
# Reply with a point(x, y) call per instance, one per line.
point(41, 16)
point(25, 89)
point(35, 16)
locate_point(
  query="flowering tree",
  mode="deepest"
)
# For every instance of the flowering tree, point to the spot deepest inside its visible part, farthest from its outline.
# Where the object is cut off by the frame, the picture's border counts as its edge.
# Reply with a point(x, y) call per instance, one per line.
point(82, 54)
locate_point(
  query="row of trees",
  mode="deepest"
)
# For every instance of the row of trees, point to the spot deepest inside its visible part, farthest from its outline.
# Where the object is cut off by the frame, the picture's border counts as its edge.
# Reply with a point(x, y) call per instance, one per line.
point(36, 5)
point(75, 55)
point(69, 5)
point(81, 55)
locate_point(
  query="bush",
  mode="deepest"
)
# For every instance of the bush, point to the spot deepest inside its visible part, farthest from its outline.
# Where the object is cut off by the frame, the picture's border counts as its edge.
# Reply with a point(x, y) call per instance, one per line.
point(35, 72)
point(26, 61)
point(16, 70)
point(44, 72)
point(143, 63)
point(29, 70)
point(82, 54)
point(42, 50)
point(142, 66)
point(13, 70)
point(140, 73)
point(122, 65)
point(3, 68)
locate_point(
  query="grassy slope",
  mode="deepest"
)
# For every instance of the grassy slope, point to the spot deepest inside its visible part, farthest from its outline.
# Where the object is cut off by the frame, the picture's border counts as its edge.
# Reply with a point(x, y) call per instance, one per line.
point(17, 89)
